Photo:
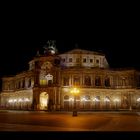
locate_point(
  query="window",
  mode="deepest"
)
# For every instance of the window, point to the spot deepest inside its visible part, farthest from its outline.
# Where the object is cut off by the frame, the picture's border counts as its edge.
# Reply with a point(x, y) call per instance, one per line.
point(84, 60)
point(56, 62)
point(107, 82)
point(50, 82)
point(76, 81)
point(49, 79)
point(43, 82)
point(87, 81)
point(123, 80)
point(70, 59)
point(97, 61)
point(65, 81)
point(91, 60)
point(98, 81)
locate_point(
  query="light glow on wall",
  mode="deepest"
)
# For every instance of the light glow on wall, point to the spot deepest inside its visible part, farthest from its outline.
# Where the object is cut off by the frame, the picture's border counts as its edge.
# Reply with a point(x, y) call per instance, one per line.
point(138, 100)
point(96, 100)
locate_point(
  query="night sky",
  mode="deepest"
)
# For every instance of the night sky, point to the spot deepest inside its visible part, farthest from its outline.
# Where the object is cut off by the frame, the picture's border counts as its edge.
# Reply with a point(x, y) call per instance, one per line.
point(116, 36)
point(17, 52)
point(112, 30)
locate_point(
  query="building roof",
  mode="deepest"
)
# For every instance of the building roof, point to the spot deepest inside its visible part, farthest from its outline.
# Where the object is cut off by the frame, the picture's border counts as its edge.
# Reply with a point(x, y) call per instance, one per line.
point(81, 51)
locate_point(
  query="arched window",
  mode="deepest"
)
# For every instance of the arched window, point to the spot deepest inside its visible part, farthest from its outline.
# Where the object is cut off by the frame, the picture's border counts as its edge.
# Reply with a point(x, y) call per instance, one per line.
point(87, 97)
point(49, 78)
point(66, 81)
point(125, 102)
point(96, 101)
point(88, 81)
point(97, 81)
point(123, 79)
point(107, 82)
point(76, 81)
point(107, 102)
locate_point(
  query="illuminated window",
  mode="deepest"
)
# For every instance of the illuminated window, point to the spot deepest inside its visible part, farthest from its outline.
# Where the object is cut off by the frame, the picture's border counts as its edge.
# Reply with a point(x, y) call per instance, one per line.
point(43, 82)
point(76, 81)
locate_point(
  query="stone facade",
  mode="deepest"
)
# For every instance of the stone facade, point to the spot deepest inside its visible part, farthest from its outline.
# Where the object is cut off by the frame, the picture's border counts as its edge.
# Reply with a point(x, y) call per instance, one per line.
point(51, 76)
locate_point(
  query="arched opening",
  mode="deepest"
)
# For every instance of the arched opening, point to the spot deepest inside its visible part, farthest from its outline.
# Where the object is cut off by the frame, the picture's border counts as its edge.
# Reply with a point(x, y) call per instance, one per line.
point(138, 103)
point(107, 82)
point(125, 103)
point(44, 98)
point(66, 102)
point(85, 102)
point(107, 102)
point(96, 101)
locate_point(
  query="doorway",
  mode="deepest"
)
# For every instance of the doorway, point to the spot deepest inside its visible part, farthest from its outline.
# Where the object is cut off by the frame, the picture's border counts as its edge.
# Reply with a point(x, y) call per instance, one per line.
point(44, 98)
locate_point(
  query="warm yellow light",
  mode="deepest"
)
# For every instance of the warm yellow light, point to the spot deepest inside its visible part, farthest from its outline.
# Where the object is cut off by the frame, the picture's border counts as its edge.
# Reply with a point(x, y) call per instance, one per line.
point(106, 100)
point(96, 100)
point(75, 90)
point(43, 82)
point(116, 100)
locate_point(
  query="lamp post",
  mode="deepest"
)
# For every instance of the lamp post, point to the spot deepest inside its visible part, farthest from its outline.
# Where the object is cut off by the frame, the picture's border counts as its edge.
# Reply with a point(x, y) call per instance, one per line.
point(74, 91)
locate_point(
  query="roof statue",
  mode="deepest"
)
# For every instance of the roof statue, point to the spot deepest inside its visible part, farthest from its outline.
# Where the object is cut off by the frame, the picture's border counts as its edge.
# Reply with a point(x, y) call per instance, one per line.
point(50, 48)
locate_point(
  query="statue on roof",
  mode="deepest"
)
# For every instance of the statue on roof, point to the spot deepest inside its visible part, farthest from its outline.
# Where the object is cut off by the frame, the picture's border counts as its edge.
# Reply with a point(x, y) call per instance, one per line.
point(50, 48)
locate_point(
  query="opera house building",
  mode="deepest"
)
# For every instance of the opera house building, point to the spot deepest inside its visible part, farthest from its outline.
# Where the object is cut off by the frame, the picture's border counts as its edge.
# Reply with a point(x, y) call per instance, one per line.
point(52, 80)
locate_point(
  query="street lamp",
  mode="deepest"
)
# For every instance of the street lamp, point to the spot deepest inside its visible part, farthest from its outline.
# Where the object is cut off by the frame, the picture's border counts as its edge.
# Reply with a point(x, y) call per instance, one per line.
point(74, 91)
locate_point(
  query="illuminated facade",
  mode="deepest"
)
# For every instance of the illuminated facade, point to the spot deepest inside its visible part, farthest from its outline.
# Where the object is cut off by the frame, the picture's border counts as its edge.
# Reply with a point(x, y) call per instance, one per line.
point(48, 83)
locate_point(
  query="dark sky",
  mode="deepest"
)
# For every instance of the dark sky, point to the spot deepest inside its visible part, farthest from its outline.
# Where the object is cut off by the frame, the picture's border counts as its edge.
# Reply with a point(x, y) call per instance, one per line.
point(17, 52)
point(113, 30)
point(115, 35)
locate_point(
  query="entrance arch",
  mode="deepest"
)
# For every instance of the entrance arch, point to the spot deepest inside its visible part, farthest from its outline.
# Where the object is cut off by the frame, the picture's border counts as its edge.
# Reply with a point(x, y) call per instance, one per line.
point(44, 98)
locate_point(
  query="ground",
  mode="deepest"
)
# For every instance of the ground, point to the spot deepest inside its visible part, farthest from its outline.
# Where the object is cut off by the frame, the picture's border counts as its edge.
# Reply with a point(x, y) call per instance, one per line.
point(64, 121)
